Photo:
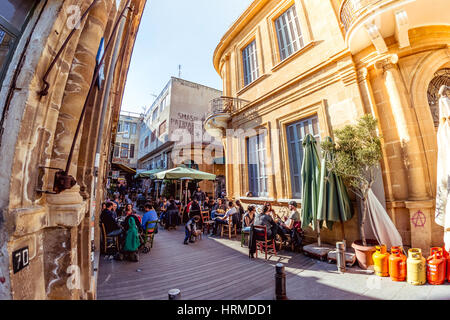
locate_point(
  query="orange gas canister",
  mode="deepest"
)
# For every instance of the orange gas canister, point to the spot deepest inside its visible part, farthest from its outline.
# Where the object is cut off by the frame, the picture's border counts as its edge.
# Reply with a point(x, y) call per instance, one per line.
point(397, 264)
point(447, 258)
point(381, 261)
point(436, 266)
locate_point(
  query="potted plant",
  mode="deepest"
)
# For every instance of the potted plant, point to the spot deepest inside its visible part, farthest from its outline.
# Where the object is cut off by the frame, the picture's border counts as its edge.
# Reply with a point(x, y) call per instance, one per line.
point(357, 154)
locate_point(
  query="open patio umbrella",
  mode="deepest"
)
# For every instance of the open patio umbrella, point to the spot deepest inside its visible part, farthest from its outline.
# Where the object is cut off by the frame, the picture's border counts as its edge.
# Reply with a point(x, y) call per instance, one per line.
point(183, 172)
point(310, 182)
point(148, 173)
point(334, 203)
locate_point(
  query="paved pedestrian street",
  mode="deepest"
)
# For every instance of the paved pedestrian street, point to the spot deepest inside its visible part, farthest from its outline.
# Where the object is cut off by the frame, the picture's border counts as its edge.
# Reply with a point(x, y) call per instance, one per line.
point(216, 268)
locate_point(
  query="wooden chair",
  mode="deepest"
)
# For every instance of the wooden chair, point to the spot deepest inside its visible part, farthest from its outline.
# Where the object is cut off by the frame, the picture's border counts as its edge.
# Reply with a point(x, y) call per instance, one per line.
point(243, 233)
point(267, 246)
point(206, 221)
point(106, 238)
point(149, 235)
point(229, 227)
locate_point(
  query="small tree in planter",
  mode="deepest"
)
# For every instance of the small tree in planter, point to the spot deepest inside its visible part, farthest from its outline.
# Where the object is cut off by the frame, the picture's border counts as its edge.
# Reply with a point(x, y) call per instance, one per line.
point(357, 153)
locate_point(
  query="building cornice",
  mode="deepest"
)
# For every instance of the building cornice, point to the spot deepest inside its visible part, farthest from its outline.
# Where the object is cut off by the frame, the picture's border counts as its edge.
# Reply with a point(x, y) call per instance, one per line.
point(254, 8)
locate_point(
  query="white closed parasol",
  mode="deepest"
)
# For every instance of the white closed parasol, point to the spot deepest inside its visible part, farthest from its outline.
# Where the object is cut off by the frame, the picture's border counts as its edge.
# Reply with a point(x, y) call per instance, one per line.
point(442, 214)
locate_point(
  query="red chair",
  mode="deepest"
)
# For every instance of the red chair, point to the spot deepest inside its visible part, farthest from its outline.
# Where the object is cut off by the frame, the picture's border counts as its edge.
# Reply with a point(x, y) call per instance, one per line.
point(267, 246)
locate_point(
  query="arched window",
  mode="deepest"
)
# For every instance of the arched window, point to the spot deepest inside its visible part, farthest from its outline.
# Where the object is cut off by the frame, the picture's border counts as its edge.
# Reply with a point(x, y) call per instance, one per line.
point(14, 15)
point(442, 77)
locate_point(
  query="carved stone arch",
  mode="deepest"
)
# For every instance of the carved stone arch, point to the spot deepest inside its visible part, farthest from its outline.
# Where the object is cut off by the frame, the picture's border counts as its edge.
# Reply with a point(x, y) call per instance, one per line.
point(77, 87)
point(35, 137)
point(91, 122)
point(424, 75)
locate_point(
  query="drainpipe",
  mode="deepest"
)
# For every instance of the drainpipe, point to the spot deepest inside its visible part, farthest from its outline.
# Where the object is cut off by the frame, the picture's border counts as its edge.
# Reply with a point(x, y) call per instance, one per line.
point(109, 80)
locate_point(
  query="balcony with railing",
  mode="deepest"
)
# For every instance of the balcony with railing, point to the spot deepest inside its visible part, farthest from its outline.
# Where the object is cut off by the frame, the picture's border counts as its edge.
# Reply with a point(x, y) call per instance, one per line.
point(370, 22)
point(220, 111)
point(351, 10)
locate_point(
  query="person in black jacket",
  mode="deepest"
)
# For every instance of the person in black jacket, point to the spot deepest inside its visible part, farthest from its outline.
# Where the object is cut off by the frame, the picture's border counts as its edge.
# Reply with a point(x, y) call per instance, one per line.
point(171, 216)
point(112, 228)
point(194, 210)
point(199, 195)
point(262, 219)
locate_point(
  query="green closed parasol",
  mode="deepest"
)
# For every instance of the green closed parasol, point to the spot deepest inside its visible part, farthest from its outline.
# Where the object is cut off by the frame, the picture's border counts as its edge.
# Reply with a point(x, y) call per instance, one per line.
point(310, 182)
point(334, 203)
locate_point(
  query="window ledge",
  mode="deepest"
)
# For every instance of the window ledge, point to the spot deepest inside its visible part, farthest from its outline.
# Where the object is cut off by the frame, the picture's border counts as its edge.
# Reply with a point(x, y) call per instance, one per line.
point(251, 85)
point(294, 55)
point(299, 201)
point(257, 199)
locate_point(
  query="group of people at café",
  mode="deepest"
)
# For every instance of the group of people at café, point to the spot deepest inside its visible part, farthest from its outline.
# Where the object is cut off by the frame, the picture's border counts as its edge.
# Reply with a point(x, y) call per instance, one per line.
point(226, 212)
point(129, 227)
point(121, 220)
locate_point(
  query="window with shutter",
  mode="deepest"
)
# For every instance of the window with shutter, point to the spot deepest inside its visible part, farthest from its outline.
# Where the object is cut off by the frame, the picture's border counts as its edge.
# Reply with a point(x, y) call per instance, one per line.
point(250, 63)
point(257, 174)
point(289, 34)
point(296, 132)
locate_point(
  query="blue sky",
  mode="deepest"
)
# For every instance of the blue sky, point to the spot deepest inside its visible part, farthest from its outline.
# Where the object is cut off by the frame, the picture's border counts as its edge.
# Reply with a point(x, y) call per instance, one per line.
point(174, 32)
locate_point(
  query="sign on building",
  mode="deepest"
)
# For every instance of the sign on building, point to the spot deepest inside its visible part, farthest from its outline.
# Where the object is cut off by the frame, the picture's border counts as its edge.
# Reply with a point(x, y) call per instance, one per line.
point(20, 259)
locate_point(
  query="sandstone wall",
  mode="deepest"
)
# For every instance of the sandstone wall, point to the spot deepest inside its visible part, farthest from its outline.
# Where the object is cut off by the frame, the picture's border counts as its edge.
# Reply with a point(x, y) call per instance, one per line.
point(39, 131)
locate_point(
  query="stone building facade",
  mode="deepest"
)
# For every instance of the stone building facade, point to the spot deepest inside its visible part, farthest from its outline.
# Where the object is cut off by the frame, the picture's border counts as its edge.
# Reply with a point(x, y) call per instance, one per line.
point(172, 131)
point(293, 67)
point(126, 146)
point(44, 87)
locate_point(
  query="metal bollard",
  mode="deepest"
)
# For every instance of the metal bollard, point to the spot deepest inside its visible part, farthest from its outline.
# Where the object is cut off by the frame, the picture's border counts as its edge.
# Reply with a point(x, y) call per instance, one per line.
point(280, 282)
point(174, 294)
point(340, 256)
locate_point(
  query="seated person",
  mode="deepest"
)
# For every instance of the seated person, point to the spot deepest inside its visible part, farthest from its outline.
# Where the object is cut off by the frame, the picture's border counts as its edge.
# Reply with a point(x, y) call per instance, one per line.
point(294, 218)
point(291, 223)
point(171, 217)
point(224, 220)
point(194, 209)
point(137, 222)
point(112, 228)
point(237, 218)
point(218, 209)
point(163, 209)
point(248, 218)
point(129, 211)
point(263, 219)
point(115, 212)
point(206, 204)
point(149, 215)
point(191, 229)
point(131, 240)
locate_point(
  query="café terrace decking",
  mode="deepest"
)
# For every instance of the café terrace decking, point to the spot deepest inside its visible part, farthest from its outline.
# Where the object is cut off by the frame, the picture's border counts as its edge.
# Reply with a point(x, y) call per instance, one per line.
point(211, 268)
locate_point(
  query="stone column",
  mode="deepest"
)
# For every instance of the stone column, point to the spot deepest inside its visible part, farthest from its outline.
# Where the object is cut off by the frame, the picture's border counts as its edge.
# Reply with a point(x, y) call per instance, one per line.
point(406, 127)
point(418, 203)
point(389, 160)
